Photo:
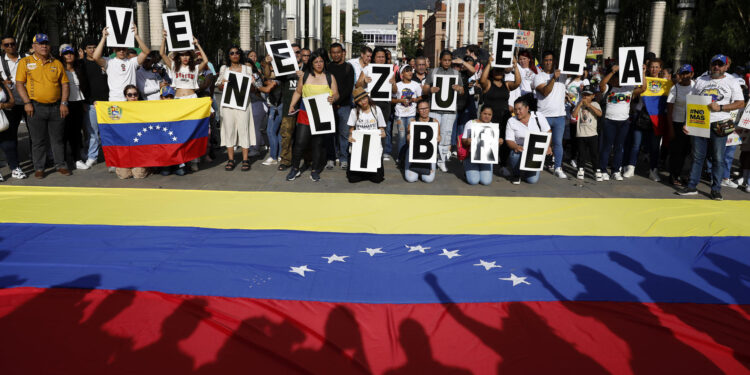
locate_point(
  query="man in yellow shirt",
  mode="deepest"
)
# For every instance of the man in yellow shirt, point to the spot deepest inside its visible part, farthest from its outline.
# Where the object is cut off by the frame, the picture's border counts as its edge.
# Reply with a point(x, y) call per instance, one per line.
point(43, 86)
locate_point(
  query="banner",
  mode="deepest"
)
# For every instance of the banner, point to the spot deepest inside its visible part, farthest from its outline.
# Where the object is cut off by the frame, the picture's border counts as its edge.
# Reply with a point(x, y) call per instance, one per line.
point(446, 98)
point(423, 142)
point(594, 52)
point(698, 117)
point(367, 150)
point(179, 31)
point(534, 151)
point(320, 114)
point(284, 60)
point(380, 88)
point(744, 121)
point(631, 65)
point(485, 138)
point(524, 39)
point(236, 90)
point(573, 54)
point(120, 23)
point(503, 47)
point(154, 133)
point(655, 101)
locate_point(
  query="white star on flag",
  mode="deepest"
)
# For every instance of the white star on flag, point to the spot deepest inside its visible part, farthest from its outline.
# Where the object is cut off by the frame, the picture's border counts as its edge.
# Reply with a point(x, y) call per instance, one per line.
point(336, 258)
point(135, 140)
point(170, 133)
point(174, 138)
point(151, 127)
point(487, 265)
point(372, 252)
point(516, 280)
point(145, 130)
point(417, 248)
point(157, 127)
point(450, 253)
point(164, 129)
point(140, 134)
point(301, 270)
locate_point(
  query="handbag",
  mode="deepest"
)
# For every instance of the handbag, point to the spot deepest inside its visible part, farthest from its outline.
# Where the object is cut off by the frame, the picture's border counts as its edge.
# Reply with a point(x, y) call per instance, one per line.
point(4, 123)
point(723, 128)
point(462, 151)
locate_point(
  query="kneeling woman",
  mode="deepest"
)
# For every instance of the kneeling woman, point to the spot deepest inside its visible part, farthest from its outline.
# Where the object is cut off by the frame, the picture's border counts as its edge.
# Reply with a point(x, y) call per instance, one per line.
point(477, 173)
point(132, 95)
point(516, 132)
point(365, 116)
point(415, 171)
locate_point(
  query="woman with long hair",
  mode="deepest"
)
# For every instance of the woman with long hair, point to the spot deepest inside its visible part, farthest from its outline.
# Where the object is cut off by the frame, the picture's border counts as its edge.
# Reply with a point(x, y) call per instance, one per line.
point(131, 94)
point(413, 172)
point(236, 125)
point(365, 116)
point(183, 69)
point(78, 84)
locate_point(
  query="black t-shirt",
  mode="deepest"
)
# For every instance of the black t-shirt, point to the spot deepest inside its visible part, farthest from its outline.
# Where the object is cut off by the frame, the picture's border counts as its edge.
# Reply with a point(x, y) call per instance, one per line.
point(98, 89)
point(288, 84)
point(344, 74)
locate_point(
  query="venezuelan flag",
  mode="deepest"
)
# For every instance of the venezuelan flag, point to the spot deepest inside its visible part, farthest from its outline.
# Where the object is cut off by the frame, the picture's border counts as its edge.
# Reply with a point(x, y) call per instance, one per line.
point(153, 133)
point(655, 101)
point(125, 281)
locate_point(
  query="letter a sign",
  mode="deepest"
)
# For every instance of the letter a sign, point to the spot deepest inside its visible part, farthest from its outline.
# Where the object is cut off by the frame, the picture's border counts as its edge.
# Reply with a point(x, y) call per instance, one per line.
point(631, 61)
point(119, 23)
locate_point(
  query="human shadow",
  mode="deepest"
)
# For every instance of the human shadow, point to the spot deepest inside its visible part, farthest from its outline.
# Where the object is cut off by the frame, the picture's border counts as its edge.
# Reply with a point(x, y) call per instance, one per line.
point(419, 359)
point(3, 253)
point(715, 318)
point(525, 343)
point(8, 281)
point(653, 348)
point(733, 282)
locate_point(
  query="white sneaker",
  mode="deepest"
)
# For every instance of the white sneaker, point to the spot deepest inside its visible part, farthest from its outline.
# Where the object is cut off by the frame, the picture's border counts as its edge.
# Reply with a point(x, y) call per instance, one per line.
point(740, 181)
point(581, 174)
point(270, 161)
point(90, 163)
point(441, 165)
point(617, 176)
point(111, 169)
point(629, 171)
point(386, 157)
point(605, 176)
point(18, 174)
point(598, 176)
point(654, 175)
point(728, 183)
point(560, 174)
point(81, 165)
point(573, 163)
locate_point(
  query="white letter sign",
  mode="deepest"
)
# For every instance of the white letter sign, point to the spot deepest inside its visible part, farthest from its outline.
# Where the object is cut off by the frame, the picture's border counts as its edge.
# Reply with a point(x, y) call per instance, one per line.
point(366, 151)
point(423, 142)
point(284, 61)
point(534, 148)
point(179, 31)
point(236, 90)
point(320, 114)
point(120, 22)
point(502, 47)
point(485, 143)
point(380, 88)
point(631, 63)
point(573, 54)
point(446, 98)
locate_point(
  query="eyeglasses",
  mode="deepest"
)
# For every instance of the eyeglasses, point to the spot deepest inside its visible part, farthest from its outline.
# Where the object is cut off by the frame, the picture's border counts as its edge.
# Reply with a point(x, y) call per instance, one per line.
point(11, 44)
point(132, 95)
point(232, 53)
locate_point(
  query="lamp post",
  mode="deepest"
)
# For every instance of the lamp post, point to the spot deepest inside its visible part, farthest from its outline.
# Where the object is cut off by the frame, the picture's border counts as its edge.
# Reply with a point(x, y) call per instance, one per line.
point(685, 10)
point(245, 24)
point(613, 7)
point(658, 10)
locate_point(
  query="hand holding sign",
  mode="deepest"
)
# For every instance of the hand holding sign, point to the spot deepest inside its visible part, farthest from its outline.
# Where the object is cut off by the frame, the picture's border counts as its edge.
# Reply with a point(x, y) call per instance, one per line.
point(447, 98)
point(284, 62)
point(423, 140)
point(366, 151)
point(485, 143)
point(236, 90)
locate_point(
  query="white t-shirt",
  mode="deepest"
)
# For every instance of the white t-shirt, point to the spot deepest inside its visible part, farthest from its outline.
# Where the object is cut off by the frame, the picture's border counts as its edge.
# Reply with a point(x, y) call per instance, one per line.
point(184, 78)
point(75, 95)
point(366, 119)
point(120, 73)
point(618, 102)
point(407, 91)
point(574, 88)
point(723, 91)
point(678, 96)
point(517, 132)
point(527, 80)
point(553, 105)
point(13, 67)
point(357, 69)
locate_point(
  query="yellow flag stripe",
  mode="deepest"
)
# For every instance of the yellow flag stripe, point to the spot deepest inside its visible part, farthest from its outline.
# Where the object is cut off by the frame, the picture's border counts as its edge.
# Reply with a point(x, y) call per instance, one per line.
point(152, 111)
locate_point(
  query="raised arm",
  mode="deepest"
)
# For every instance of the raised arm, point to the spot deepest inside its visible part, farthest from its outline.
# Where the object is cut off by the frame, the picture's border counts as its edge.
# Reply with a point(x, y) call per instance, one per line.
point(163, 50)
point(546, 89)
point(605, 80)
point(144, 47)
point(205, 57)
point(97, 56)
point(517, 74)
point(484, 80)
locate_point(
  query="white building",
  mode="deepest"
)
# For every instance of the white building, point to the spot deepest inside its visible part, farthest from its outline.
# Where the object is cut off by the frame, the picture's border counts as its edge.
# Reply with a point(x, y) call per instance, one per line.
point(379, 35)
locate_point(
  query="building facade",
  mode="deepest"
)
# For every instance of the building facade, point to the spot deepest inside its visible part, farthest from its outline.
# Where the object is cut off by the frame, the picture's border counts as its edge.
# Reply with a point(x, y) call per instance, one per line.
point(435, 30)
point(412, 20)
point(379, 35)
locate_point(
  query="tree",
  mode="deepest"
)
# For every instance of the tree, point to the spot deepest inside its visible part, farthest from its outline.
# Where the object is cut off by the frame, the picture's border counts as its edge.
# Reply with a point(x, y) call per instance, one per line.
point(358, 41)
point(409, 40)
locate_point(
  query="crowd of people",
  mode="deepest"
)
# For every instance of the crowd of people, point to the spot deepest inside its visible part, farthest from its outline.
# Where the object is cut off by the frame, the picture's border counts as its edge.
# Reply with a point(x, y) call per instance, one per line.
point(594, 122)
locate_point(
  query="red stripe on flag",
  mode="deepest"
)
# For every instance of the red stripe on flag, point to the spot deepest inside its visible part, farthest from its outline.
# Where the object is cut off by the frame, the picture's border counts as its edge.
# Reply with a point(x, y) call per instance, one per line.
point(154, 155)
point(69, 331)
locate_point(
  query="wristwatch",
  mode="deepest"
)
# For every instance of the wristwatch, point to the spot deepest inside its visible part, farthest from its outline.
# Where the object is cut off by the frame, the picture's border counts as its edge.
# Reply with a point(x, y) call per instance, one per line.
point(721, 108)
point(64, 103)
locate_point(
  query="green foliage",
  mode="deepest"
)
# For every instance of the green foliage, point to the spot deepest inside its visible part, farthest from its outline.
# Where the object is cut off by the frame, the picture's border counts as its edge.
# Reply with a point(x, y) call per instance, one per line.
point(358, 41)
point(409, 40)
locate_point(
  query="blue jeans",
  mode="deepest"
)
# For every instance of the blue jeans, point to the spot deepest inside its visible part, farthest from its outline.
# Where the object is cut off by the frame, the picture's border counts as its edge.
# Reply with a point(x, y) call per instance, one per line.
point(636, 137)
point(477, 173)
point(700, 150)
point(342, 131)
point(515, 166)
point(92, 128)
point(446, 121)
point(728, 158)
point(401, 123)
point(411, 176)
point(274, 123)
point(613, 135)
point(558, 130)
point(388, 147)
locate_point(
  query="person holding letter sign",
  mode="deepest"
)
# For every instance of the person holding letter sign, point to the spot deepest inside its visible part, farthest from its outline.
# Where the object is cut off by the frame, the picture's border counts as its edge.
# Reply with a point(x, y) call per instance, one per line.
point(445, 118)
point(183, 69)
point(237, 127)
point(679, 146)
point(379, 56)
point(365, 116)
point(477, 173)
point(415, 171)
point(316, 80)
point(516, 132)
point(121, 70)
point(496, 92)
point(586, 114)
point(550, 93)
point(616, 122)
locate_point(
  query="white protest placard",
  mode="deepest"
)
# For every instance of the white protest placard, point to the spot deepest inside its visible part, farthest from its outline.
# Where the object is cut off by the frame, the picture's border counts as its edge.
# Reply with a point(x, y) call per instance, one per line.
point(503, 46)
point(631, 65)
point(534, 150)
point(698, 116)
point(179, 31)
point(380, 87)
point(446, 98)
point(120, 23)
point(485, 145)
point(366, 151)
point(320, 114)
point(744, 121)
point(525, 39)
point(734, 139)
point(284, 61)
point(236, 90)
point(423, 142)
point(573, 54)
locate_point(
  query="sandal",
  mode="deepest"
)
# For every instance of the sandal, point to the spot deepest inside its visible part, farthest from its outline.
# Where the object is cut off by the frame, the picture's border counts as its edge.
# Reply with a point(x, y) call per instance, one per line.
point(245, 165)
point(230, 166)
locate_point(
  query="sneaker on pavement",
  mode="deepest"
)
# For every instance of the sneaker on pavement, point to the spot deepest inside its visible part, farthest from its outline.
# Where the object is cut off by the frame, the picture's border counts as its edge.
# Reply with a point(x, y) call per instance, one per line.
point(111, 169)
point(81, 165)
point(270, 161)
point(716, 195)
point(728, 183)
point(330, 164)
point(654, 175)
point(386, 157)
point(629, 171)
point(687, 191)
point(2, 178)
point(598, 176)
point(293, 174)
point(617, 176)
point(581, 174)
point(516, 180)
point(315, 176)
point(441, 165)
point(559, 173)
point(18, 174)
point(344, 165)
point(90, 162)
point(605, 176)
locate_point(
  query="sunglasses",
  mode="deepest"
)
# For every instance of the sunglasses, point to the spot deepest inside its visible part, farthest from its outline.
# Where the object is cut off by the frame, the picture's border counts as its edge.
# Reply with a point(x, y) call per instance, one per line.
point(296, 52)
point(719, 63)
point(132, 95)
point(11, 44)
point(233, 53)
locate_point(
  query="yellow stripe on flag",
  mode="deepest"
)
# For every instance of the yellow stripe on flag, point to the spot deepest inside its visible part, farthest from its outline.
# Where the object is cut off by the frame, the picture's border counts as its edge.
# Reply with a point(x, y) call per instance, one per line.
point(152, 111)
point(657, 87)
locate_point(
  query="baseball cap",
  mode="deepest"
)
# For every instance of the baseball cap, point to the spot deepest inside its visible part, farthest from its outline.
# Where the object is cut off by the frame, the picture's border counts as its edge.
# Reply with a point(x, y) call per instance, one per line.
point(687, 68)
point(587, 90)
point(66, 48)
point(167, 90)
point(41, 38)
point(719, 57)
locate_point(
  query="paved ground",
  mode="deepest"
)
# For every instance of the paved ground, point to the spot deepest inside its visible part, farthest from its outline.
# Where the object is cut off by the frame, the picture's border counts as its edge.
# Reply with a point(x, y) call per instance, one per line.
point(266, 178)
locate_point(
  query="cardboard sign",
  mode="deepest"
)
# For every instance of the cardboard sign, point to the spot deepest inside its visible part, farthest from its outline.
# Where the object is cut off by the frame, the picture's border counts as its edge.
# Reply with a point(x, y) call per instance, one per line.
point(524, 39)
point(573, 54)
point(534, 150)
point(380, 88)
point(320, 114)
point(631, 66)
point(179, 31)
point(119, 24)
point(236, 90)
point(698, 116)
point(744, 121)
point(284, 61)
point(446, 98)
point(423, 142)
point(366, 151)
point(485, 143)
point(503, 46)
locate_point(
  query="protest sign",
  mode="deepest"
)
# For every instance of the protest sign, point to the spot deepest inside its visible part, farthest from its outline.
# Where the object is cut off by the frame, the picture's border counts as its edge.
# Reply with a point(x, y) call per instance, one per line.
point(698, 117)
point(320, 114)
point(120, 23)
point(485, 146)
point(524, 39)
point(366, 151)
point(573, 54)
point(631, 66)
point(380, 87)
point(445, 99)
point(179, 31)
point(236, 90)
point(423, 142)
point(503, 45)
point(534, 150)
point(284, 61)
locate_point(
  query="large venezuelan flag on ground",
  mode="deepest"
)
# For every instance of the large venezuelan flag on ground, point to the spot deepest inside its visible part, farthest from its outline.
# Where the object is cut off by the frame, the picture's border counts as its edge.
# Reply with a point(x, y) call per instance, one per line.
point(655, 102)
point(154, 133)
point(126, 281)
